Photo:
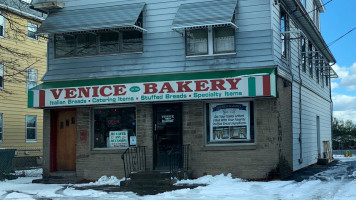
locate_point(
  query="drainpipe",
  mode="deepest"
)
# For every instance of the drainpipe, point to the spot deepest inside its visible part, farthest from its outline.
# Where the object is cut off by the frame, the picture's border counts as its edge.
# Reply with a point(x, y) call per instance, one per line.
point(300, 160)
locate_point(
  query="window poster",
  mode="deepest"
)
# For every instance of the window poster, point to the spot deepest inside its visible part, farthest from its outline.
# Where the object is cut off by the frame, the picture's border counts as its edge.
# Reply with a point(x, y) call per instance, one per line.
point(118, 139)
point(229, 122)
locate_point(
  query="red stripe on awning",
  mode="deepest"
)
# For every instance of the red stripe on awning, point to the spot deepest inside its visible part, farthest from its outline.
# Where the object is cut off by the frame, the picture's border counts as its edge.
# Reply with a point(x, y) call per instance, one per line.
point(42, 98)
point(266, 86)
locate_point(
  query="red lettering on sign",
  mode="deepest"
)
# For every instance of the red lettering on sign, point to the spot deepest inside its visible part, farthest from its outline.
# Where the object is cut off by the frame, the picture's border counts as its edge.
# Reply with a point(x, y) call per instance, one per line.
point(217, 85)
point(83, 92)
point(70, 93)
point(168, 87)
point(95, 91)
point(184, 85)
point(150, 88)
point(119, 90)
point(201, 86)
point(233, 83)
point(102, 91)
point(56, 94)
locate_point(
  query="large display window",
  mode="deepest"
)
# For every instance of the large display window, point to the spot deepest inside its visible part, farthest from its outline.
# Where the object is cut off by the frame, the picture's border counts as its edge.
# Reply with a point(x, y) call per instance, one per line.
point(229, 123)
point(114, 128)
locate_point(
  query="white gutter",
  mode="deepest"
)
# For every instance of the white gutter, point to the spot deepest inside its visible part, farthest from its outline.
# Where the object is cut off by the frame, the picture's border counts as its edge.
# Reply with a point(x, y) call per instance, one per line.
point(19, 12)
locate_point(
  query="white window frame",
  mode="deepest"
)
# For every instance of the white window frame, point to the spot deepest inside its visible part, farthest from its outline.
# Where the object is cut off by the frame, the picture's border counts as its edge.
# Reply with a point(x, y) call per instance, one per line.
point(3, 24)
point(211, 39)
point(2, 74)
point(31, 140)
point(32, 27)
point(28, 78)
point(2, 127)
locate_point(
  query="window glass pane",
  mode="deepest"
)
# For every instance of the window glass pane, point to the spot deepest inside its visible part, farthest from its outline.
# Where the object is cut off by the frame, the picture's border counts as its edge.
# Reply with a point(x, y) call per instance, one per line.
point(230, 123)
point(113, 127)
point(132, 41)
point(197, 42)
point(31, 134)
point(86, 44)
point(2, 26)
point(30, 121)
point(224, 40)
point(109, 42)
point(64, 45)
point(1, 76)
point(31, 30)
point(32, 74)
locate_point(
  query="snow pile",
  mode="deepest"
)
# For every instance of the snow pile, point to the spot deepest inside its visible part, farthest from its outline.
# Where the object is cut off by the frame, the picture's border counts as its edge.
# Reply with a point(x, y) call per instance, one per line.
point(209, 179)
point(104, 180)
point(29, 173)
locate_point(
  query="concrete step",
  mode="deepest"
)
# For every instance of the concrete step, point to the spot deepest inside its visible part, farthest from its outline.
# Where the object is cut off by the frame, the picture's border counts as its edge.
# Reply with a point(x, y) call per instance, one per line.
point(147, 182)
point(150, 175)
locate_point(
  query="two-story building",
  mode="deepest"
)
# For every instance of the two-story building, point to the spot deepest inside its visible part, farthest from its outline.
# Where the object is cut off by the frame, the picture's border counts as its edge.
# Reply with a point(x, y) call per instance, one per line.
point(22, 61)
point(237, 86)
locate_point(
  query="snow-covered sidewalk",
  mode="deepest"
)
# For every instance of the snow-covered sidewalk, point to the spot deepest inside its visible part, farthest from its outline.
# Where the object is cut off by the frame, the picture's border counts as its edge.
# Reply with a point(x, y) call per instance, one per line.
point(218, 187)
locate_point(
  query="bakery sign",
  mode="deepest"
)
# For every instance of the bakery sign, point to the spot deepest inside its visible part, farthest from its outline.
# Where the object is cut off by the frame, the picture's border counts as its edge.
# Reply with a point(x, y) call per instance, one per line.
point(229, 87)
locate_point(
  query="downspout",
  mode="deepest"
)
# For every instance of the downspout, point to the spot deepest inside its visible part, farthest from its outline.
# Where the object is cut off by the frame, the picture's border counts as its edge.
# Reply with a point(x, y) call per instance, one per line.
point(300, 160)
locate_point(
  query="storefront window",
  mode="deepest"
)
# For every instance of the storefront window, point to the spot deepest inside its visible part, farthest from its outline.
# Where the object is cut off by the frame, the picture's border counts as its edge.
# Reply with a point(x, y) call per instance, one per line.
point(230, 123)
point(114, 128)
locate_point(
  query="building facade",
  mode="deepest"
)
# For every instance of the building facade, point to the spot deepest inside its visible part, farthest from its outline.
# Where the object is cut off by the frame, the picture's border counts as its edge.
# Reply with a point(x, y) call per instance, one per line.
point(22, 61)
point(244, 83)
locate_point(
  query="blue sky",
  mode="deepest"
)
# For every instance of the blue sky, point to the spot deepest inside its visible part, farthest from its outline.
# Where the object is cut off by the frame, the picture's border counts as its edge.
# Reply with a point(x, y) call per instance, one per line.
point(338, 19)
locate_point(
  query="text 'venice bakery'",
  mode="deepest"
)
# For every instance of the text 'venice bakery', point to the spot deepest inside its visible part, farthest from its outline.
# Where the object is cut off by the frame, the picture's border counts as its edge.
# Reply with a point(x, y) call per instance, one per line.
point(149, 78)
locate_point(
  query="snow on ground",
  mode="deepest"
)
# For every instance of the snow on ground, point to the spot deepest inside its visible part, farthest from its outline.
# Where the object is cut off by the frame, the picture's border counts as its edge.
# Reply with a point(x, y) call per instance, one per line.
point(223, 187)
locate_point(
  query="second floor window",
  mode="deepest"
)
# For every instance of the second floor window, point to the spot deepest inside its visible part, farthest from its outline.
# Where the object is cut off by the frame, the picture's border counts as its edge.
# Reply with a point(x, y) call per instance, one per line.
point(97, 43)
point(31, 30)
point(310, 59)
point(303, 49)
point(284, 34)
point(2, 25)
point(210, 41)
point(2, 74)
point(31, 78)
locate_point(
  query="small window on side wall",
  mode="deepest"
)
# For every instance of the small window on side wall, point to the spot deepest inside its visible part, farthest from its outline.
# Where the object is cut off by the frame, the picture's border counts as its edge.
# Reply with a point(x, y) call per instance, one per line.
point(2, 75)
point(114, 128)
point(2, 25)
point(31, 78)
point(230, 123)
point(31, 30)
point(31, 128)
point(1, 127)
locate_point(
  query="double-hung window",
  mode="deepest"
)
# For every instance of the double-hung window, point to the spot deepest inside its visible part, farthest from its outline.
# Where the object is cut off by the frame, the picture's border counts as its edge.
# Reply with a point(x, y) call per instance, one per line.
point(31, 31)
point(2, 75)
point(303, 53)
point(284, 35)
point(31, 128)
point(2, 25)
point(210, 41)
point(1, 127)
point(31, 78)
point(310, 59)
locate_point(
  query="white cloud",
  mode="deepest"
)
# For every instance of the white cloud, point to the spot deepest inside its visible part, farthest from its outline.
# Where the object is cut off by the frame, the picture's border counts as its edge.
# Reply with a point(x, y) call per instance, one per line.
point(344, 103)
point(347, 76)
point(345, 115)
point(334, 85)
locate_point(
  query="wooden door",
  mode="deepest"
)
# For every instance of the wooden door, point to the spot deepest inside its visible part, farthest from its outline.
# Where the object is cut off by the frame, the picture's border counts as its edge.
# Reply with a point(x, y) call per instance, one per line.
point(66, 140)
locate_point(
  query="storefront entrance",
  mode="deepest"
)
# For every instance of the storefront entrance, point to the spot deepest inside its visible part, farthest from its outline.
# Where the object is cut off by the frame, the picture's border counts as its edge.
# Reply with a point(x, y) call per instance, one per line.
point(167, 135)
point(63, 140)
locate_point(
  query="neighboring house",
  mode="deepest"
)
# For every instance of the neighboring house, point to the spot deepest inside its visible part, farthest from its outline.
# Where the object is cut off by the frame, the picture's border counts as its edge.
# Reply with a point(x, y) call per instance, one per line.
point(22, 61)
point(244, 83)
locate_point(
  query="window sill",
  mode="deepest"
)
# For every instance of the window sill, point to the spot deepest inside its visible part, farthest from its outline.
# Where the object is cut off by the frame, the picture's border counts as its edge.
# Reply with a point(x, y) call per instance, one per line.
point(230, 147)
point(31, 141)
point(33, 39)
point(207, 55)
